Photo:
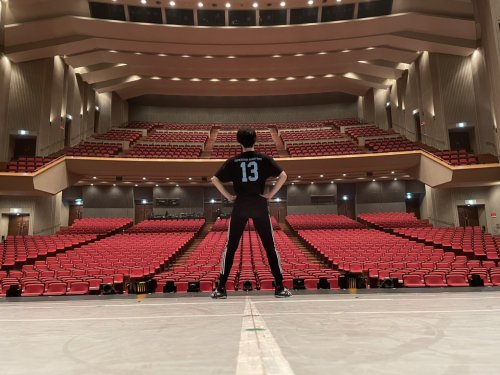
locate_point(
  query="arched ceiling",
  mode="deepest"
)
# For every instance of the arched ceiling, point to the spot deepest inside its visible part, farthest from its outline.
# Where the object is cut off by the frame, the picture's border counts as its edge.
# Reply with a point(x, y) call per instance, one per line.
point(136, 59)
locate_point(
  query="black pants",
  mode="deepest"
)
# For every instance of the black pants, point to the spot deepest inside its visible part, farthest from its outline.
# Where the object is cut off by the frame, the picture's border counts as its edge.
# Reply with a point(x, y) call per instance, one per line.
point(256, 209)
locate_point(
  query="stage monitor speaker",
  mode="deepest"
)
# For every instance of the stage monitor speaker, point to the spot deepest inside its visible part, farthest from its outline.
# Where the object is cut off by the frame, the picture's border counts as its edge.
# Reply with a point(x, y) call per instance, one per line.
point(298, 283)
point(247, 285)
point(107, 289)
point(193, 286)
point(169, 287)
point(323, 283)
point(390, 283)
point(476, 280)
point(13, 291)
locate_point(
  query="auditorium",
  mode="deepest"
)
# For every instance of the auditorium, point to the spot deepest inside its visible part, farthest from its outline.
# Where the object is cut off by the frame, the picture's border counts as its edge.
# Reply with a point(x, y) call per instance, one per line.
point(120, 121)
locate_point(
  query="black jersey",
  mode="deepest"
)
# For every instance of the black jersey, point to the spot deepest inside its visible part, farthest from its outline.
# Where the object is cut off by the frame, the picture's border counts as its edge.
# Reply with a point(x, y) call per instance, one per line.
point(248, 171)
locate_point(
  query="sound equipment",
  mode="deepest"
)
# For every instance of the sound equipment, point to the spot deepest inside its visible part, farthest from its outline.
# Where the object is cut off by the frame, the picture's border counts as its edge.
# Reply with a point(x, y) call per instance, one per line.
point(169, 287)
point(476, 280)
point(298, 283)
point(107, 289)
point(390, 283)
point(193, 286)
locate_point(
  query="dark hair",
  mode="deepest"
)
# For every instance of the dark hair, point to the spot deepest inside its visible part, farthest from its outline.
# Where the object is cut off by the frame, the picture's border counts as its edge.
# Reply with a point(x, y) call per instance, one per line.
point(246, 137)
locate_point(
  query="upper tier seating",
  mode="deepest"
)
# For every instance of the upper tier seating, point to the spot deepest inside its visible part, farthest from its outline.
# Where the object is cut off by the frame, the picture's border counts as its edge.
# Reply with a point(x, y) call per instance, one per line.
point(119, 135)
point(178, 136)
point(223, 224)
point(383, 255)
point(188, 127)
point(387, 220)
point(337, 123)
point(392, 145)
point(26, 164)
point(164, 226)
point(102, 226)
point(22, 249)
point(108, 261)
point(149, 151)
point(230, 137)
point(299, 125)
point(95, 149)
point(226, 151)
point(323, 149)
point(321, 221)
point(470, 241)
point(366, 131)
point(149, 126)
point(235, 127)
point(309, 134)
point(461, 157)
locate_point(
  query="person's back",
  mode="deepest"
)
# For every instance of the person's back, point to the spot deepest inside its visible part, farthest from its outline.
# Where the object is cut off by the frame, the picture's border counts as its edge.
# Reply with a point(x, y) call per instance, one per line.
point(248, 172)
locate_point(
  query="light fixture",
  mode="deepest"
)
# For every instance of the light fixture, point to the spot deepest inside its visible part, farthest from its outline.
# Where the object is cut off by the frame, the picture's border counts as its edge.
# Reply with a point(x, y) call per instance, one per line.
point(215, 80)
point(228, 5)
point(195, 79)
point(321, 176)
point(388, 104)
point(144, 201)
point(172, 3)
point(329, 76)
point(309, 77)
point(310, 2)
point(374, 180)
point(345, 197)
point(290, 78)
point(143, 1)
point(461, 125)
point(167, 178)
point(276, 56)
point(344, 175)
point(177, 185)
point(395, 179)
point(91, 184)
point(332, 182)
point(94, 178)
point(233, 80)
point(114, 185)
point(212, 200)
point(255, 5)
point(312, 182)
point(157, 185)
point(175, 79)
point(253, 80)
point(278, 199)
point(392, 172)
point(282, 4)
point(415, 111)
point(409, 195)
point(144, 179)
point(23, 132)
point(299, 176)
point(293, 183)
point(136, 185)
point(190, 179)
point(97, 108)
point(200, 5)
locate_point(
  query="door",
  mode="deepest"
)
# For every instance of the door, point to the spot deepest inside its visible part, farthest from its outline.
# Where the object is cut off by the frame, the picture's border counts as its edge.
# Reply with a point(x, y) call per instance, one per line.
point(75, 212)
point(278, 210)
point(19, 225)
point(346, 208)
point(413, 204)
point(97, 114)
point(468, 216)
point(143, 212)
point(460, 140)
point(418, 127)
point(212, 210)
point(388, 111)
point(24, 146)
point(67, 133)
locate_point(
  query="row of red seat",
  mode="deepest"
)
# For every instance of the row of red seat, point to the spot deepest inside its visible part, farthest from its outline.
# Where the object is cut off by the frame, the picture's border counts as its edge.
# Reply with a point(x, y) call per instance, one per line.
point(177, 136)
point(392, 145)
point(230, 137)
point(461, 157)
point(101, 226)
point(120, 135)
point(309, 134)
point(323, 149)
point(164, 152)
point(95, 149)
point(387, 220)
point(366, 131)
point(226, 151)
point(26, 164)
point(165, 226)
point(322, 221)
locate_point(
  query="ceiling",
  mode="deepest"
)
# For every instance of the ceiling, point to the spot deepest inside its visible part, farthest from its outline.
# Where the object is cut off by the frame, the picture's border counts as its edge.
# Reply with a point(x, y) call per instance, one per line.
point(152, 60)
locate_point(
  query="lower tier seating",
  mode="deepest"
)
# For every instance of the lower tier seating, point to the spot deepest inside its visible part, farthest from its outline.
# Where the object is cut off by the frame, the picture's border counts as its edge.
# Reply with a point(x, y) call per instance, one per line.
point(164, 226)
point(223, 224)
point(108, 261)
point(322, 221)
point(386, 220)
point(382, 255)
point(102, 226)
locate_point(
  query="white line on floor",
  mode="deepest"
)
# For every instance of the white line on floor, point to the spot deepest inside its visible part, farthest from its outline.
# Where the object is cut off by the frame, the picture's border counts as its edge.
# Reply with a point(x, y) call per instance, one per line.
point(259, 354)
point(255, 314)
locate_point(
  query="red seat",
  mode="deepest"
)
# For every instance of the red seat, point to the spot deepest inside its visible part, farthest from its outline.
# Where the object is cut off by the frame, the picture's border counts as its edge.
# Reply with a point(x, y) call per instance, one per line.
point(78, 288)
point(35, 289)
point(56, 289)
point(434, 281)
point(413, 281)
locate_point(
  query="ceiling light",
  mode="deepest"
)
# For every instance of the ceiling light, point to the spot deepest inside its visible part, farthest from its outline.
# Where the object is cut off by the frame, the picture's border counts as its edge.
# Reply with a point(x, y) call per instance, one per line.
point(143, 1)
point(156, 78)
point(228, 5)
point(137, 53)
point(172, 3)
point(91, 184)
point(144, 179)
point(185, 56)
point(392, 172)
point(231, 57)
point(373, 180)
point(113, 51)
point(310, 2)
point(177, 185)
point(190, 179)
point(322, 53)
point(162, 55)
point(332, 182)
point(175, 79)
point(309, 77)
point(233, 80)
point(94, 178)
point(209, 57)
point(200, 5)
point(321, 176)
point(253, 80)
point(276, 56)
point(215, 80)
point(290, 78)
point(312, 182)
point(346, 50)
point(271, 79)
point(344, 175)
point(293, 183)
point(338, 1)
point(363, 61)
point(167, 178)
point(396, 179)
point(282, 4)
point(255, 5)
point(136, 185)
point(329, 76)
point(370, 48)
point(299, 176)
point(157, 185)
point(195, 79)
point(299, 54)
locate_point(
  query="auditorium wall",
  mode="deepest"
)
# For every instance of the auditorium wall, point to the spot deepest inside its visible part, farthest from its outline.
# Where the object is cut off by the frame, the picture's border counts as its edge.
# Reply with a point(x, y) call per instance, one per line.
point(242, 115)
point(299, 199)
point(446, 90)
point(440, 206)
point(108, 201)
point(38, 95)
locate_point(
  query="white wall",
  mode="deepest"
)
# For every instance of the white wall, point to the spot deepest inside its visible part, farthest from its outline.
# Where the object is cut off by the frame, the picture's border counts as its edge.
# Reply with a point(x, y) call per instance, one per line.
point(242, 115)
point(440, 205)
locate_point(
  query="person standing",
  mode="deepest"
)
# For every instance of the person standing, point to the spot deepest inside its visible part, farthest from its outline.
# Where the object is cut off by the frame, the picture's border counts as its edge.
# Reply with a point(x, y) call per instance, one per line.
point(248, 172)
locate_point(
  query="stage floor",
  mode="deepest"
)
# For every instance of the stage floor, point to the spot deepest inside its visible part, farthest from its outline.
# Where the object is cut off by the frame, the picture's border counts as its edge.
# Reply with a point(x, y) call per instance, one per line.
point(375, 333)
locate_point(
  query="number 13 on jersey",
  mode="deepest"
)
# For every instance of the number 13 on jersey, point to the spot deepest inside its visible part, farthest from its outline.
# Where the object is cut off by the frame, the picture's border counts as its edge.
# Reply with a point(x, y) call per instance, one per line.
point(253, 171)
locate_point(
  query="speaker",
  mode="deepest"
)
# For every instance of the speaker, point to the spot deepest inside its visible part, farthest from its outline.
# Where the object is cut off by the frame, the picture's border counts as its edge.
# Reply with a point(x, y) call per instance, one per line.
point(323, 283)
point(343, 284)
point(193, 286)
point(390, 283)
point(107, 289)
point(476, 280)
point(169, 287)
point(298, 283)
point(13, 291)
point(247, 285)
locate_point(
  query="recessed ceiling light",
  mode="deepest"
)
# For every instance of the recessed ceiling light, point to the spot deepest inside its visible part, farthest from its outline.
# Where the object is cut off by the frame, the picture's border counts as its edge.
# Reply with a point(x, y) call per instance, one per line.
point(370, 48)
point(144, 178)
point(282, 4)
point(363, 62)
point(344, 175)
point(322, 53)
point(94, 178)
point(290, 78)
point(114, 184)
point(113, 51)
point(321, 176)
point(332, 182)
point(185, 56)
point(167, 178)
point(137, 53)
point(312, 182)
point(177, 185)
point(233, 80)
point(200, 5)
point(329, 76)
point(253, 80)
point(215, 80)
point(209, 57)
point(175, 79)
point(143, 1)
point(309, 77)
point(299, 176)
point(231, 57)
point(255, 5)
point(195, 79)
point(310, 2)
point(172, 3)
point(91, 184)
point(271, 79)
point(338, 1)
point(392, 172)
point(299, 54)
point(373, 180)
point(156, 78)
point(157, 185)
point(293, 183)
point(276, 56)
point(136, 185)
point(346, 50)
point(190, 179)
point(162, 55)
point(228, 5)
point(396, 179)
